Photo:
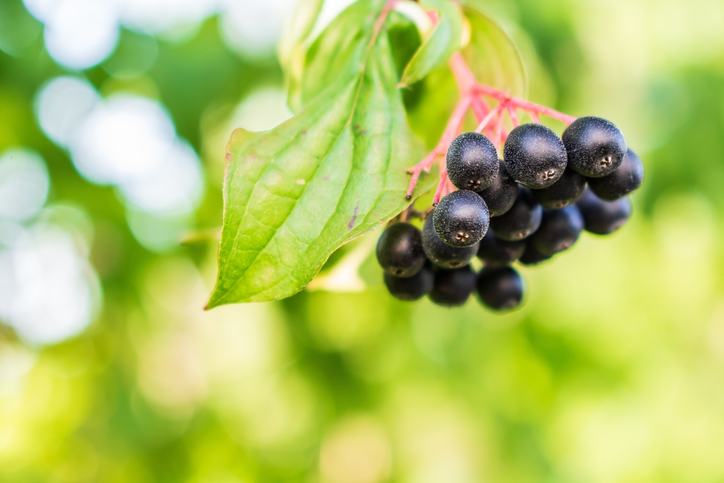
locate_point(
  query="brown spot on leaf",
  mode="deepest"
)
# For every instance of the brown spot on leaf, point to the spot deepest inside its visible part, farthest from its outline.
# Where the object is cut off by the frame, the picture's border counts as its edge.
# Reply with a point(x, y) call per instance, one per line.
point(354, 217)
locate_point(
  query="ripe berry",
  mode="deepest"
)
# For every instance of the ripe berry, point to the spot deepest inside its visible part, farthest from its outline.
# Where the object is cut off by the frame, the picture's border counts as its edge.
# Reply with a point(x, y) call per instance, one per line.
point(595, 146)
point(621, 182)
point(472, 162)
point(461, 218)
point(558, 231)
point(603, 217)
point(535, 155)
point(399, 250)
point(563, 192)
point(500, 288)
point(500, 196)
point(442, 254)
point(495, 251)
point(410, 288)
point(452, 288)
point(531, 256)
point(521, 220)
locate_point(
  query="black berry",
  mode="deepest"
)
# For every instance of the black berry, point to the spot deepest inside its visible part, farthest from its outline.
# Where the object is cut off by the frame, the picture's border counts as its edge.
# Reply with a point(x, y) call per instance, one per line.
point(595, 146)
point(535, 156)
point(558, 231)
point(461, 218)
point(452, 288)
point(521, 221)
point(442, 254)
point(531, 256)
point(399, 250)
point(500, 288)
point(563, 192)
point(472, 162)
point(621, 182)
point(495, 251)
point(410, 288)
point(603, 217)
point(500, 196)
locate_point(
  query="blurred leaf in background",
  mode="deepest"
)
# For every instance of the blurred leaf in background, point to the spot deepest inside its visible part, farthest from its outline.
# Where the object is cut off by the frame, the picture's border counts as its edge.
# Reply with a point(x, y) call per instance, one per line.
point(114, 116)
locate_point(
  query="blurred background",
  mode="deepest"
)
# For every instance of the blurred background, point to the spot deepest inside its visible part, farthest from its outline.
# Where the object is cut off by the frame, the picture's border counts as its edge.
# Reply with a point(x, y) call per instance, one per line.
point(114, 116)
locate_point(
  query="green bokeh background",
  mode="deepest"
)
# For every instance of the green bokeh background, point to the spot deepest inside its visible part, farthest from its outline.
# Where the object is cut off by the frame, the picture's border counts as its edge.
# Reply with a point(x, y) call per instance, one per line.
point(613, 371)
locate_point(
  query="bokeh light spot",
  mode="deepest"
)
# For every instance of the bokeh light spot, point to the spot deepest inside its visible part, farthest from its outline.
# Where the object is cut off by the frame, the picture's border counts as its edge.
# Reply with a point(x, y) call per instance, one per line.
point(24, 184)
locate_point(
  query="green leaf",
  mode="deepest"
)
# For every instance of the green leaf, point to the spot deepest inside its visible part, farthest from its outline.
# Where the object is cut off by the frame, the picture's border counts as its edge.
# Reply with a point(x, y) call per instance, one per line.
point(340, 49)
point(492, 55)
point(334, 172)
point(301, 24)
point(445, 40)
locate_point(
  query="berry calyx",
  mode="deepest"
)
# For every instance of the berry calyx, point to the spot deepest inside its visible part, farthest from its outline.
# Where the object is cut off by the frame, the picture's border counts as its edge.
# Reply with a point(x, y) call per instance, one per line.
point(439, 252)
point(627, 178)
point(534, 155)
point(603, 217)
point(472, 162)
point(500, 288)
point(521, 221)
point(595, 146)
point(563, 192)
point(500, 195)
point(452, 288)
point(461, 218)
point(410, 288)
point(558, 231)
point(399, 250)
point(496, 251)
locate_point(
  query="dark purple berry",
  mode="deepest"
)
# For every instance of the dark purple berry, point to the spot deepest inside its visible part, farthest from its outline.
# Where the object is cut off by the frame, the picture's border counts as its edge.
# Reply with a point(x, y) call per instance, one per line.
point(500, 196)
point(558, 231)
point(496, 251)
point(621, 182)
point(531, 256)
point(535, 155)
point(603, 217)
point(442, 254)
point(521, 221)
point(500, 288)
point(595, 146)
point(399, 250)
point(472, 162)
point(461, 218)
point(410, 288)
point(563, 192)
point(452, 288)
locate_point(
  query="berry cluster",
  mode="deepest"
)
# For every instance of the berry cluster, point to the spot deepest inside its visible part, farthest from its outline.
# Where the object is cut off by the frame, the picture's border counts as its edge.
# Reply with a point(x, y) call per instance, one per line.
point(527, 208)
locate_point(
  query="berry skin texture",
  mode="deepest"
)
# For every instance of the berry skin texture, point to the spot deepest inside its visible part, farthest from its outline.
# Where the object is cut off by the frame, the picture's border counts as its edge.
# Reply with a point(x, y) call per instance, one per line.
point(534, 155)
point(452, 288)
point(501, 195)
point(521, 221)
point(472, 162)
point(410, 288)
point(500, 288)
point(595, 146)
point(621, 182)
point(461, 218)
point(494, 251)
point(603, 217)
point(399, 250)
point(563, 192)
point(558, 231)
point(440, 253)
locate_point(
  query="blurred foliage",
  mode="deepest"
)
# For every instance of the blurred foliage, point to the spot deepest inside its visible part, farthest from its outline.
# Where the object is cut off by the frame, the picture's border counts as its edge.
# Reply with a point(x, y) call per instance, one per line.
point(610, 373)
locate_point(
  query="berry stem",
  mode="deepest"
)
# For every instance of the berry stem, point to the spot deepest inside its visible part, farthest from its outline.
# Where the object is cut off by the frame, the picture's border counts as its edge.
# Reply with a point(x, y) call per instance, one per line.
point(448, 135)
point(473, 96)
